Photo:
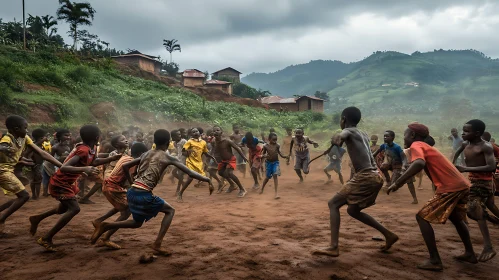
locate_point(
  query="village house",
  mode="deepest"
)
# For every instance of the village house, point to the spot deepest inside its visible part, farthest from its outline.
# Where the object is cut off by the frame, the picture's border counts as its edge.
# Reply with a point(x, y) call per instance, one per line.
point(227, 73)
point(145, 62)
point(302, 103)
point(221, 85)
point(193, 78)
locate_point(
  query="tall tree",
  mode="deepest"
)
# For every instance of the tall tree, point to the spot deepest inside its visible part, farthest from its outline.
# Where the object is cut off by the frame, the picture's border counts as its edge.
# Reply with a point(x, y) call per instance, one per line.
point(76, 14)
point(48, 22)
point(171, 46)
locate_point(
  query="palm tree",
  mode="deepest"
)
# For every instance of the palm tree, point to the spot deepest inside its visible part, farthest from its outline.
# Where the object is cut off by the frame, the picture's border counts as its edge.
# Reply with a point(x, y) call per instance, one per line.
point(48, 22)
point(76, 14)
point(171, 46)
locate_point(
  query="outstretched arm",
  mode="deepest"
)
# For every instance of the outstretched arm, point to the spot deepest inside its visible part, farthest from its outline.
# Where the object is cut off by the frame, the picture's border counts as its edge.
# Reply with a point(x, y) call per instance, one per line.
point(415, 167)
point(279, 151)
point(46, 156)
point(69, 167)
point(458, 152)
point(101, 161)
point(173, 161)
point(313, 142)
point(238, 150)
point(126, 168)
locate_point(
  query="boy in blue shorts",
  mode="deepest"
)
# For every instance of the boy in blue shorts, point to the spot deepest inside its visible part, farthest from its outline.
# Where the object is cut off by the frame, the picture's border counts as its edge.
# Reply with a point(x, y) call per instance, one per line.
point(271, 152)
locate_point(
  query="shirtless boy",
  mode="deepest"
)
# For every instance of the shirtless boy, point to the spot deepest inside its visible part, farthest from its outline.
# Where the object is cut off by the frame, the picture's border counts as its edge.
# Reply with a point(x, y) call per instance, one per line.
point(236, 137)
point(449, 201)
point(271, 153)
point(481, 165)
point(361, 191)
point(302, 153)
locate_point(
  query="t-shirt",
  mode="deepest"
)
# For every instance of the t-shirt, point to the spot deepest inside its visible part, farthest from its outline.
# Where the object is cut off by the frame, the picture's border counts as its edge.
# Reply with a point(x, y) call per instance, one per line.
point(443, 173)
point(392, 152)
point(47, 146)
point(301, 148)
point(457, 142)
point(255, 141)
point(19, 145)
point(149, 170)
point(195, 159)
point(86, 155)
point(336, 154)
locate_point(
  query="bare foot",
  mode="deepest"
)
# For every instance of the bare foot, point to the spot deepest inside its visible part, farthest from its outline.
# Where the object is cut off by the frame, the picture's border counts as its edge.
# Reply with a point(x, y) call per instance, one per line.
point(34, 225)
point(301, 180)
point(471, 258)
point(98, 231)
point(428, 265)
point(328, 178)
point(256, 187)
point(109, 244)
point(261, 191)
point(241, 193)
point(211, 189)
point(96, 223)
point(390, 240)
point(331, 252)
point(159, 251)
point(179, 199)
point(49, 246)
point(415, 202)
point(277, 197)
point(487, 254)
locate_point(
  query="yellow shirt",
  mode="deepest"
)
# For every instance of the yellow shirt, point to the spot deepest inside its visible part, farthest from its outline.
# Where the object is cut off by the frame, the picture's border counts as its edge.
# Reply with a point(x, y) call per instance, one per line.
point(19, 145)
point(195, 160)
point(170, 147)
point(47, 147)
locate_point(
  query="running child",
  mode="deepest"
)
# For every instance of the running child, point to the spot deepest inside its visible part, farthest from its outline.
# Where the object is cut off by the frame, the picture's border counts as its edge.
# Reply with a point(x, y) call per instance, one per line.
point(115, 188)
point(449, 201)
point(63, 187)
point(39, 137)
point(60, 151)
point(12, 146)
point(490, 202)
point(481, 165)
point(302, 153)
point(394, 157)
point(143, 204)
point(255, 155)
point(236, 137)
point(361, 191)
point(271, 153)
point(335, 156)
point(120, 146)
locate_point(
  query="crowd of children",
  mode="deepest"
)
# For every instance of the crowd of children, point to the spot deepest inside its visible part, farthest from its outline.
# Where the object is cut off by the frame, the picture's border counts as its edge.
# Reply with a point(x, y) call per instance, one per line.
point(126, 167)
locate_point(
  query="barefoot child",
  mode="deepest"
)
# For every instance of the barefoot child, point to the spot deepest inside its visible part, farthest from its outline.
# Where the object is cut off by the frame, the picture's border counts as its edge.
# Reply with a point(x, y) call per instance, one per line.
point(115, 188)
point(194, 150)
point(255, 156)
point(335, 157)
point(302, 153)
point(393, 157)
point(224, 148)
point(271, 152)
point(62, 187)
point(449, 201)
point(39, 137)
point(361, 191)
point(120, 146)
point(236, 137)
point(60, 151)
point(179, 143)
point(143, 204)
point(481, 165)
point(12, 146)
point(490, 202)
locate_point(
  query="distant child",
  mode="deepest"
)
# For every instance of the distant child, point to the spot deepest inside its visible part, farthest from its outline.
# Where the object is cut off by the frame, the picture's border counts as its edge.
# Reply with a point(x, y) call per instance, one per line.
point(394, 156)
point(39, 137)
point(302, 153)
point(115, 188)
point(237, 137)
point(120, 145)
point(12, 146)
point(194, 149)
point(481, 165)
point(63, 187)
point(457, 142)
point(335, 157)
point(143, 204)
point(449, 201)
point(224, 148)
point(271, 152)
point(212, 166)
point(361, 191)
point(60, 150)
point(255, 156)
point(286, 142)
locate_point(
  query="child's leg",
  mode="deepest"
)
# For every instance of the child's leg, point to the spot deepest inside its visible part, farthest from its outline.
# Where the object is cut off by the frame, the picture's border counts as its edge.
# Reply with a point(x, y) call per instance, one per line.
point(231, 176)
point(123, 217)
point(103, 227)
point(412, 190)
point(36, 219)
point(434, 263)
point(492, 206)
point(186, 184)
point(72, 210)
point(180, 177)
point(462, 230)
point(165, 225)
point(265, 181)
point(276, 182)
point(327, 173)
point(298, 172)
point(340, 176)
point(477, 213)
point(45, 183)
point(254, 173)
point(95, 188)
point(420, 177)
point(12, 206)
point(109, 214)
point(334, 219)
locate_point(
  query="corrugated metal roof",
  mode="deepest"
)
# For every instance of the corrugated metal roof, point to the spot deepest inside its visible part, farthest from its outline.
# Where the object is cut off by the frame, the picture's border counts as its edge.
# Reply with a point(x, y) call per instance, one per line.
point(270, 99)
point(136, 55)
point(217, 82)
point(226, 69)
point(311, 97)
point(192, 73)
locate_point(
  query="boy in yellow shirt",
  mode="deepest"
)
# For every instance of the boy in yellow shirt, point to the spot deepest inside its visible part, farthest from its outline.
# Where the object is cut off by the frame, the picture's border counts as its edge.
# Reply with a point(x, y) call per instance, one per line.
point(194, 150)
point(12, 146)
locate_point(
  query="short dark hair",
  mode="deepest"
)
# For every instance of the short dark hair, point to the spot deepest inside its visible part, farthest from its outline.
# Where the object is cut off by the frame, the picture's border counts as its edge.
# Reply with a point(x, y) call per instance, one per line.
point(477, 125)
point(161, 137)
point(138, 149)
point(89, 133)
point(38, 133)
point(139, 133)
point(173, 132)
point(218, 127)
point(14, 121)
point(60, 133)
point(487, 136)
point(272, 129)
point(115, 140)
point(352, 114)
point(200, 129)
point(272, 134)
point(392, 134)
point(235, 126)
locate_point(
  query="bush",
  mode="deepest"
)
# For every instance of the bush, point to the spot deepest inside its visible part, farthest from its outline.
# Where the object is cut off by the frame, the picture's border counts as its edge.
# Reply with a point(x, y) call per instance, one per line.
point(79, 74)
point(45, 76)
point(8, 72)
point(5, 98)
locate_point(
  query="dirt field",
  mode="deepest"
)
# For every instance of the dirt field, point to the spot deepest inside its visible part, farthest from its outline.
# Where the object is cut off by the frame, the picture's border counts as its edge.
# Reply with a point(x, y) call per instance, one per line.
point(257, 237)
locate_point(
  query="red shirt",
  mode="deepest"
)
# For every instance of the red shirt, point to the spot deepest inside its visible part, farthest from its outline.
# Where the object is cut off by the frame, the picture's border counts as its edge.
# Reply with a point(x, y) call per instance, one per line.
point(444, 174)
point(86, 155)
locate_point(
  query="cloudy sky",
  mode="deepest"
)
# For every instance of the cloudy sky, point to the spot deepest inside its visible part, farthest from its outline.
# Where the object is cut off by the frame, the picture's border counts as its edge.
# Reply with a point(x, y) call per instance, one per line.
point(268, 35)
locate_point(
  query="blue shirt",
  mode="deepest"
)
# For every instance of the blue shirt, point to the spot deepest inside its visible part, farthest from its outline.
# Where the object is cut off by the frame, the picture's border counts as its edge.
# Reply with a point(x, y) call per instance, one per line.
point(394, 152)
point(457, 142)
point(255, 141)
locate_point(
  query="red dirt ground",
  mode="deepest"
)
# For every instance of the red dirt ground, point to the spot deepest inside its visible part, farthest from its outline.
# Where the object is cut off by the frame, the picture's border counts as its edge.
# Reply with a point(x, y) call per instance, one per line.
point(257, 237)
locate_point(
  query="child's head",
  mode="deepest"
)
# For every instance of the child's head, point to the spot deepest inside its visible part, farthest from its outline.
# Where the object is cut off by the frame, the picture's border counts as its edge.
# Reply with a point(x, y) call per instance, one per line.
point(39, 135)
point(161, 138)
point(417, 132)
point(289, 131)
point(183, 133)
point(389, 136)
point(473, 129)
point(138, 149)
point(110, 134)
point(139, 137)
point(217, 131)
point(299, 133)
point(487, 136)
point(453, 132)
point(195, 133)
point(63, 136)
point(17, 126)
point(272, 130)
point(209, 132)
point(175, 134)
point(235, 128)
point(374, 139)
point(90, 134)
point(249, 139)
point(350, 117)
point(272, 138)
point(119, 142)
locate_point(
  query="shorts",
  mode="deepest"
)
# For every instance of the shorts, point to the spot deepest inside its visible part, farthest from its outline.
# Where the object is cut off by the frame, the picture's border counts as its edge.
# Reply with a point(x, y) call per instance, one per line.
point(362, 189)
point(302, 162)
point(334, 165)
point(231, 164)
point(64, 192)
point(143, 204)
point(10, 183)
point(480, 192)
point(37, 174)
point(212, 165)
point(272, 168)
point(255, 158)
point(442, 205)
point(116, 195)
